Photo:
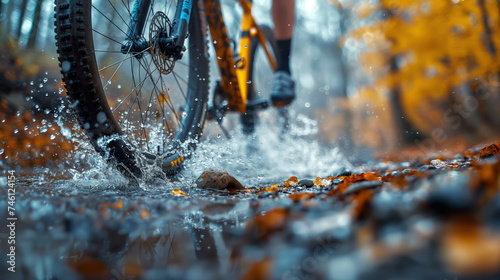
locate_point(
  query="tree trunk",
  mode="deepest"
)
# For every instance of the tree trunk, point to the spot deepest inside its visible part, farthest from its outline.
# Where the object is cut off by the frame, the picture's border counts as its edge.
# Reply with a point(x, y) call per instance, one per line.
point(344, 15)
point(408, 134)
point(1, 22)
point(6, 30)
point(34, 30)
point(22, 8)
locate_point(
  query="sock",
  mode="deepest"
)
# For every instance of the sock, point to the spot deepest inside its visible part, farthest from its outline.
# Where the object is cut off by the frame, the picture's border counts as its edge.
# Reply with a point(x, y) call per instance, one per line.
point(284, 55)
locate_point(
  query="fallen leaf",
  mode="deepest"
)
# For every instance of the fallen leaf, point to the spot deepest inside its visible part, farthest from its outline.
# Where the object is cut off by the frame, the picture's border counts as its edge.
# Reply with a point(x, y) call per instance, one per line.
point(144, 213)
point(468, 249)
point(291, 182)
point(89, 267)
point(297, 197)
point(259, 270)
point(178, 192)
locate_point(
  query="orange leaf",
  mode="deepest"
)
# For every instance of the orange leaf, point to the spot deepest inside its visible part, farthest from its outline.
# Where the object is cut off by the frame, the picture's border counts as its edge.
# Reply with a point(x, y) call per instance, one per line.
point(144, 213)
point(273, 188)
point(291, 182)
point(259, 270)
point(296, 197)
point(89, 267)
point(118, 205)
point(178, 192)
point(267, 222)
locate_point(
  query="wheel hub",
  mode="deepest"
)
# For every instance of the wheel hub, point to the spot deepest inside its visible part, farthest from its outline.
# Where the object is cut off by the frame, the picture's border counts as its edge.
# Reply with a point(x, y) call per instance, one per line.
point(159, 30)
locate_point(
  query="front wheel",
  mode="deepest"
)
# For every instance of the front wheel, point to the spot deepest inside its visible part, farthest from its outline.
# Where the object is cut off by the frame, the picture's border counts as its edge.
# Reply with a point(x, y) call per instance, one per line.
point(139, 109)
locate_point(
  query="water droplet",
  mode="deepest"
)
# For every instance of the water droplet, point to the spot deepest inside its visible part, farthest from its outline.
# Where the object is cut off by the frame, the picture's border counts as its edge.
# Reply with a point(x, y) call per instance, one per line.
point(65, 66)
point(52, 137)
point(45, 80)
point(16, 131)
point(101, 117)
point(40, 85)
point(66, 132)
point(43, 129)
point(249, 82)
point(119, 86)
point(215, 42)
point(32, 83)
point(307, 104)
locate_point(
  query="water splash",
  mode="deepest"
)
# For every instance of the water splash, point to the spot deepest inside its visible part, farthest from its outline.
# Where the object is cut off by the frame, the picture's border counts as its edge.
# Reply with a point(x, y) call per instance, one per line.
point(268, 156)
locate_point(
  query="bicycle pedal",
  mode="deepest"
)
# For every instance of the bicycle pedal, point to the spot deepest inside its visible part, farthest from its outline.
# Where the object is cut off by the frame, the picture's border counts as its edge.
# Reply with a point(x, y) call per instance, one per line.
point(257, 104)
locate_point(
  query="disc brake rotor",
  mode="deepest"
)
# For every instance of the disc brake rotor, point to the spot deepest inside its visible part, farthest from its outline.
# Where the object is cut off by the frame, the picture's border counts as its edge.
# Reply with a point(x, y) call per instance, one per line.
point(160, 28)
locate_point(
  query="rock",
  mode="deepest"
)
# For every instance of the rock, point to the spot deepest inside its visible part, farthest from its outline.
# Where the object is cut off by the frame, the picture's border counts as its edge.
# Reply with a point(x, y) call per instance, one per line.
point(451, 195)
point(357, 187)
point(343, 172)
point(489, 150)
point(218, 179)
point(306, 183)
point(391, 205)
point(337, 181)
point(424, 168)
point(439, 163)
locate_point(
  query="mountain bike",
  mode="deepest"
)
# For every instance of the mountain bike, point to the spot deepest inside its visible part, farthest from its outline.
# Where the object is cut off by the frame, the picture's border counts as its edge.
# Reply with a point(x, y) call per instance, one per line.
point(138, 75)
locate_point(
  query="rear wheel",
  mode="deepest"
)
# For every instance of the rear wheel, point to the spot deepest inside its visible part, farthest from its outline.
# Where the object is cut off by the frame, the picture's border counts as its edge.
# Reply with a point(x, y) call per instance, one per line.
point(261, 75)
point(143, 109)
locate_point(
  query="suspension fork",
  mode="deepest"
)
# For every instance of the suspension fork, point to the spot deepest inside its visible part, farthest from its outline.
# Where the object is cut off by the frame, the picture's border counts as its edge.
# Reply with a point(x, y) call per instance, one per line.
point(181, 22)
point(137, 19)
point(133, 42)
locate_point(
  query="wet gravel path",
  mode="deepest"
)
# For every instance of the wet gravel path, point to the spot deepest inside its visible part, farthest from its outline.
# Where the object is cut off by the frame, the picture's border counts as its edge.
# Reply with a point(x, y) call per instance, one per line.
point(435, 218)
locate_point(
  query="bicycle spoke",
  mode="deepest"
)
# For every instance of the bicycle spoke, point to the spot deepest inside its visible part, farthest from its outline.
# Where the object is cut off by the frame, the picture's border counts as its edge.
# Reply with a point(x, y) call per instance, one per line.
point(128, 8)
point(105, 36)
point(108, 51)
point(170, 105)
point(119, 61)
point(110, 21)
point(148, 86)
point(130, 94)
point(177, 81)
point(116, 11)
point(169, 100)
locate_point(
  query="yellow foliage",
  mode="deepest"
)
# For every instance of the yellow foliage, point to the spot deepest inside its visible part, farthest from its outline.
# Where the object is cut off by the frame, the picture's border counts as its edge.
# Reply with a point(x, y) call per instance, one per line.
point(437, 46)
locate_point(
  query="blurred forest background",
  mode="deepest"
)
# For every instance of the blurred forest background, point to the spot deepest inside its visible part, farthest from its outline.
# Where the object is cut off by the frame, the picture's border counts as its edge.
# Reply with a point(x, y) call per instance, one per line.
point(379, 74)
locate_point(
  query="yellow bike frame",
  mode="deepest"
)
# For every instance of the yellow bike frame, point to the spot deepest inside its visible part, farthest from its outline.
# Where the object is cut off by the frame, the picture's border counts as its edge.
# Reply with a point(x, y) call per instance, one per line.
point(234, 70)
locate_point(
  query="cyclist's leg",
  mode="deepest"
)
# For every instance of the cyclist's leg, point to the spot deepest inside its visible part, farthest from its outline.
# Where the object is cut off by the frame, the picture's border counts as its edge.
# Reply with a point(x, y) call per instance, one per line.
point(283, 12)
point(283, 17)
